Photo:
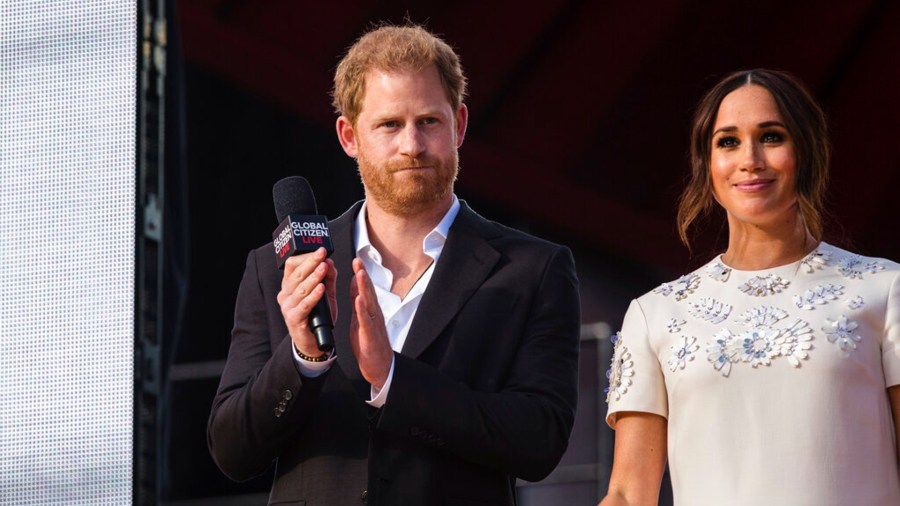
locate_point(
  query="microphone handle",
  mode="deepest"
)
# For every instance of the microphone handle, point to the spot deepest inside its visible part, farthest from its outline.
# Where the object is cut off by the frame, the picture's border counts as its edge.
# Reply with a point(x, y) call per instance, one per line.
point(322, 325)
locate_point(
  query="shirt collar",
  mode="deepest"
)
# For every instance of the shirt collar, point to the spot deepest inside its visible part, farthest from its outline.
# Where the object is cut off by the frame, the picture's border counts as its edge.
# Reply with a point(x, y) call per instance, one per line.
point(434, 241)
point(431, 245)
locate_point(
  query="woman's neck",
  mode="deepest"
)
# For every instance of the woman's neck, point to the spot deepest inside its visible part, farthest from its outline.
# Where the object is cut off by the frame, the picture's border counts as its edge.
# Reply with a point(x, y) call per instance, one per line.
point(751, 247)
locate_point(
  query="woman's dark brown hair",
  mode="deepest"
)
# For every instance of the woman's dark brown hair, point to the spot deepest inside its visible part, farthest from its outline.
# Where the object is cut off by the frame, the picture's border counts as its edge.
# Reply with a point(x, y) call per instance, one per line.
point(806, 125)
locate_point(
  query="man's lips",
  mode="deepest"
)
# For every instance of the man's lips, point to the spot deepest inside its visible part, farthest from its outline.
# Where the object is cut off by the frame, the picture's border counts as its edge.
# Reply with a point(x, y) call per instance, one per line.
point(752, 185)
point(416, 168)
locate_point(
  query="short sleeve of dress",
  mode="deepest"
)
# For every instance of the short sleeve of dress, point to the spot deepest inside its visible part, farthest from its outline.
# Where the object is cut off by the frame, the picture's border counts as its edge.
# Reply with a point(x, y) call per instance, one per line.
point(890, 348)
point(636, 381)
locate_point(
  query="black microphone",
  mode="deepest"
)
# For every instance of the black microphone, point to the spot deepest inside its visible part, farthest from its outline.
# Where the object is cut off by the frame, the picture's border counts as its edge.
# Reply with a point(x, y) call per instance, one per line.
point(302, 230)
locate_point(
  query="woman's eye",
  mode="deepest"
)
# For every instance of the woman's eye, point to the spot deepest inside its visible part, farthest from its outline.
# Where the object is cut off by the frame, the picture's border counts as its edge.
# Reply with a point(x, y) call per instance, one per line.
point(727, 142)
point(771, 137)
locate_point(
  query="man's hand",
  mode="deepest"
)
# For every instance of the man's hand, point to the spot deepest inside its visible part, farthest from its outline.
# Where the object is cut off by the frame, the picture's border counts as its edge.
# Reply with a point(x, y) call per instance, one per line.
point(306, 279)
point(368, 335)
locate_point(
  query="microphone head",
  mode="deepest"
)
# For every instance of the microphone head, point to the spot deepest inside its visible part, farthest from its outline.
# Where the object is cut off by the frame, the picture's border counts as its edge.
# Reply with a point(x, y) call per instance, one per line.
point(292, 195)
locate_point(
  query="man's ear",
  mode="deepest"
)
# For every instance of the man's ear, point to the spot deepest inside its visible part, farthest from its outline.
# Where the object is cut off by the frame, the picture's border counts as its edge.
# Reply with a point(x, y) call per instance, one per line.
point(462, 121)
point(347, 136)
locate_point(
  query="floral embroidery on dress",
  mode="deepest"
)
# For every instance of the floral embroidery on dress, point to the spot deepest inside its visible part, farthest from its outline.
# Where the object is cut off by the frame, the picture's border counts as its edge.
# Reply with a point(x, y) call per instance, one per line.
point(795, 342)
point(683, 352)
point(718, 271)
point(688, 283)
point(759, 346)
point(674, 325)
point(815, 260)
point(854, 266)
point(761, 342)
point(664, 289)
point(762, 316)
point(621, 370)
point(710, 310)
point(856, 302)
point(760, 286)
point(819, 295)
point(840, 331)
point(720, 352)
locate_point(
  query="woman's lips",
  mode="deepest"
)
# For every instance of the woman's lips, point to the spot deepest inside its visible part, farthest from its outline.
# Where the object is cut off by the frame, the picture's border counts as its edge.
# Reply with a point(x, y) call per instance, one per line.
point(754, 185)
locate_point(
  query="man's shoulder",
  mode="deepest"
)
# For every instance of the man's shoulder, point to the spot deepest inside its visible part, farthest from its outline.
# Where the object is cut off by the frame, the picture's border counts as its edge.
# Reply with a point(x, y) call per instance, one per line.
point(264, 256)
point(347, 218)
point(499, 234)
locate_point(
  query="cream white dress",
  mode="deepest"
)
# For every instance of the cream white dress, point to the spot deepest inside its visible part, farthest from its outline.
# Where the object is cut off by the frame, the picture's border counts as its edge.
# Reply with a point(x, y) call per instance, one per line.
point(773, 382)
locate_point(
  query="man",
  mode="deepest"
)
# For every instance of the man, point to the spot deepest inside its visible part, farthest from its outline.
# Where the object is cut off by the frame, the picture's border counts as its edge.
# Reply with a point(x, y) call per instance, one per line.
point(456, 339)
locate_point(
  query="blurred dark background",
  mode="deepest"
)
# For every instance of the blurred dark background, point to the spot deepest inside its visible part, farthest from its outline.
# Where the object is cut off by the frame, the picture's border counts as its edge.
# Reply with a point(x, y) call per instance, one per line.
point(579, 115)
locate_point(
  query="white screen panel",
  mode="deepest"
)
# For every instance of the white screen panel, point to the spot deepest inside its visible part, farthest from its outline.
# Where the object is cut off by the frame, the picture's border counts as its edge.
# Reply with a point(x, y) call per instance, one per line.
point(67, 220)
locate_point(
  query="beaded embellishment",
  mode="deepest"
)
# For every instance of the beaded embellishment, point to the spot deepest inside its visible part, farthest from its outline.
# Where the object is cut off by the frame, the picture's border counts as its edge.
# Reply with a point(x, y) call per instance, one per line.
point(674, 325)
point(682, 287)
point(819, 295)
point(718, 271)
point(620, 371)
point(856, 302)
point(760, 286)
point(683, 352)
point(761, 342)
point(815, 260)
point(840, 331)
point(710, 310)
point(853, 267)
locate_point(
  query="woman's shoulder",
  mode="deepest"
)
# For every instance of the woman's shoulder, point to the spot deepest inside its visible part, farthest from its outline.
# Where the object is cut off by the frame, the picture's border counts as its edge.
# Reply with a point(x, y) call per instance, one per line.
point(683, 286)
point(854, 265)
point(715, 280)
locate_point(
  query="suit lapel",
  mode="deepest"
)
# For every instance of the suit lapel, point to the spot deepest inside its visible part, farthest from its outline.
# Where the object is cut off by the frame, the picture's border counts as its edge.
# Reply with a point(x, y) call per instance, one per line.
point(466, 261)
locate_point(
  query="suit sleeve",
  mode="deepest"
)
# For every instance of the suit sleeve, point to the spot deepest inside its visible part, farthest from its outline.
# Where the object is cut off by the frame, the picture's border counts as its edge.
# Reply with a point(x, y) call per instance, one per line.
point(259, 405)
point(523, 426)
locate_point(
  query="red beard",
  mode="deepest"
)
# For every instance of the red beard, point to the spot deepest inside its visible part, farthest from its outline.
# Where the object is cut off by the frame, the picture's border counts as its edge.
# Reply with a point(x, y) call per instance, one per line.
point(407, 192)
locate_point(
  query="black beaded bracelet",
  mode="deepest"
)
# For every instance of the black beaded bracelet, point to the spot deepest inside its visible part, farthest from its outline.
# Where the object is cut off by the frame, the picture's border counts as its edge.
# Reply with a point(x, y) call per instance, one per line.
point(321, 358)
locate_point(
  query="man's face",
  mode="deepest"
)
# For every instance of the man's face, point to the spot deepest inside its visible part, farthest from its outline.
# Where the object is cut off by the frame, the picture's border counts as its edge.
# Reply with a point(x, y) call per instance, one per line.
point(405, 139)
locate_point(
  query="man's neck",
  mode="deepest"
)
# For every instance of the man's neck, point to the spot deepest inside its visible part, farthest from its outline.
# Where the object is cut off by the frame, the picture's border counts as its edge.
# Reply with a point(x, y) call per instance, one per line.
point(399, 240)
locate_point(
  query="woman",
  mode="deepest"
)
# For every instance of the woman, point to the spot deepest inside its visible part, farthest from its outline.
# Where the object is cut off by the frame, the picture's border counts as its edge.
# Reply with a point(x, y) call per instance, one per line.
point(770, 375)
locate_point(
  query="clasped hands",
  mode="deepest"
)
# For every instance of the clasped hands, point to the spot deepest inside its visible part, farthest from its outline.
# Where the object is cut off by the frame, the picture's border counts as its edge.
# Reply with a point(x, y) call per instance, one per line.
point(309, 277)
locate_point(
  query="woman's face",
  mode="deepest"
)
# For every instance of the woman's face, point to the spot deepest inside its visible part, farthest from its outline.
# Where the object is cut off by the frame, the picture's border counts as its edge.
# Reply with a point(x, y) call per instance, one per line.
point(753, 163)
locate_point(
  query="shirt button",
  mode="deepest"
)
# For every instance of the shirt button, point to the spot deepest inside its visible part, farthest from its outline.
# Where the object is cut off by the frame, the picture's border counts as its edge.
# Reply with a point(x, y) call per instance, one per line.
point(395, 323)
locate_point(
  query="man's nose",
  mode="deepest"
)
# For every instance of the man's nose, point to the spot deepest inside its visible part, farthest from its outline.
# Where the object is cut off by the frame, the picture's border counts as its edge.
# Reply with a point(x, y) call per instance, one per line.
point(412, 141)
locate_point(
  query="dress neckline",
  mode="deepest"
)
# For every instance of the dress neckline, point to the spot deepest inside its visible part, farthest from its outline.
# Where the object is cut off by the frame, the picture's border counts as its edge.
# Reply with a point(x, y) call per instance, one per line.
point(790, 266)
